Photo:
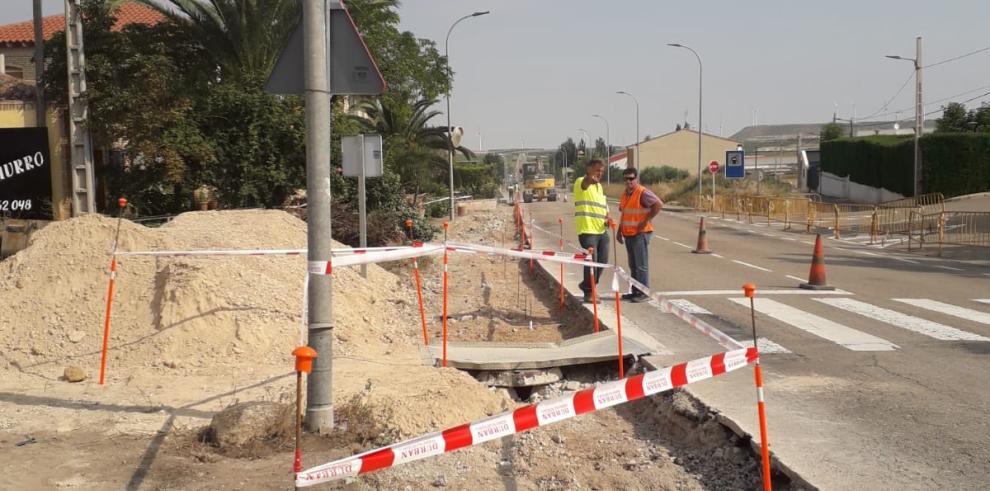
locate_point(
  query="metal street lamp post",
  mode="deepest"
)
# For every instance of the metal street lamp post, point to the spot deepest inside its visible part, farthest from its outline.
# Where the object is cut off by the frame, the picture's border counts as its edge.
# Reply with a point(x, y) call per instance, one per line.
point(608, 148)
point(676, 45)
point(637, 125)
point(919, 122)
point(450, 130)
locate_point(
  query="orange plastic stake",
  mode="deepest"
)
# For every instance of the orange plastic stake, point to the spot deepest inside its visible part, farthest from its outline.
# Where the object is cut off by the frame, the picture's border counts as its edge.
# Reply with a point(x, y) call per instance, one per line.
point(106, 321)
point(122, 203)
point(594, 289)
point(531, 268)
point(409, 225)
point(618, 320)
point(444, 294)
point(304, 363)
point(749, 290)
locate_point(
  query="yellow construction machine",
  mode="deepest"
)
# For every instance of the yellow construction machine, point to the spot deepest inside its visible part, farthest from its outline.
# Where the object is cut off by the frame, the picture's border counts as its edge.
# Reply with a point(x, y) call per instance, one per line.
point(536, 184)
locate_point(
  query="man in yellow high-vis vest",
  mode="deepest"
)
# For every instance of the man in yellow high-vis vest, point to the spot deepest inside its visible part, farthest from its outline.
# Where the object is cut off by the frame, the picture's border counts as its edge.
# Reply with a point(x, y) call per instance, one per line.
point(590, 219)
point(638, 206)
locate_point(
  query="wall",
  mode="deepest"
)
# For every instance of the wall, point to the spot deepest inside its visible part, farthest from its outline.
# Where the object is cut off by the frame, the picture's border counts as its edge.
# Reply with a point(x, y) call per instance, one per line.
point(842, 187)
point(21, 58)
point(15, 114)
point(680, 150)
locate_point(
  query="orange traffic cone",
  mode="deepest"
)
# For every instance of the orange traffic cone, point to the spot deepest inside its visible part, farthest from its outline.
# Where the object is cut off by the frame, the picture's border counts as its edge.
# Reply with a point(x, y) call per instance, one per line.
point(702, 239)
point(816, 279)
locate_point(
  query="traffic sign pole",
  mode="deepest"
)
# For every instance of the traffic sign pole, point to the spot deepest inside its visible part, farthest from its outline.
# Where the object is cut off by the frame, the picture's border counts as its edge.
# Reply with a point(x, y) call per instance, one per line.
point(713, 168)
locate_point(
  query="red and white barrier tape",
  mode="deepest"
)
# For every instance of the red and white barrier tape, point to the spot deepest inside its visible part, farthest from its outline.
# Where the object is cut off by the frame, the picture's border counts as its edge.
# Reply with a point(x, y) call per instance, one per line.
point(545, 255)
point(257, 252)
point(722, 338)
point(326, 267)
point(557, 236)
point(529, 417)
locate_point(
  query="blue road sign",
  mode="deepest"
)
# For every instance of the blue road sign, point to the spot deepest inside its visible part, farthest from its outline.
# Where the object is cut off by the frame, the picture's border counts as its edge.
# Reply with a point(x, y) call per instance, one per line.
point(735, 167)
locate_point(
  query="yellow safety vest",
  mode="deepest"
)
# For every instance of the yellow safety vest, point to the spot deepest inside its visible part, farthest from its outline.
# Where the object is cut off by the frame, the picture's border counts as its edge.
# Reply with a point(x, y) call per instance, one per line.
point(590, 208)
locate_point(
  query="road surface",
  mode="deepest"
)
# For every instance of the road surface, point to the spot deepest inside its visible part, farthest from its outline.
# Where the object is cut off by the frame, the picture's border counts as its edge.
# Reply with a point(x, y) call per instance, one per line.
point(882, 384)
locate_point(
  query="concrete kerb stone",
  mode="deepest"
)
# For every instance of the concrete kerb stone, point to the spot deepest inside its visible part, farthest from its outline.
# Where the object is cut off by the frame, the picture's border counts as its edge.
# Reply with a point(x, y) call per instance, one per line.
point(573, 299)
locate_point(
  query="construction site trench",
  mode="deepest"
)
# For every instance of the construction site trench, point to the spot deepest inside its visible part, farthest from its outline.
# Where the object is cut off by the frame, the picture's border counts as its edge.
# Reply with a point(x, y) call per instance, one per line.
point(193, 336)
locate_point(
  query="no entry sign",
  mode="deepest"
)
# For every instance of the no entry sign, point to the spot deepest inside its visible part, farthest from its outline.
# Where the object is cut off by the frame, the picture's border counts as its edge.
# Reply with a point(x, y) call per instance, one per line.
point(713, 167)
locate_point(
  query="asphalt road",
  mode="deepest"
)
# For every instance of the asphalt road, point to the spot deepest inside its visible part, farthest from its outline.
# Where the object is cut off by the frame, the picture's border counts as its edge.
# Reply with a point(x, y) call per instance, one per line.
point(882, 384)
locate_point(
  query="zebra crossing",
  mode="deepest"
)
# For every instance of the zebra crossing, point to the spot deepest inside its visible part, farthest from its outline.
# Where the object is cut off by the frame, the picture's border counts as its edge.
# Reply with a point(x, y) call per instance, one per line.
point(851, 338)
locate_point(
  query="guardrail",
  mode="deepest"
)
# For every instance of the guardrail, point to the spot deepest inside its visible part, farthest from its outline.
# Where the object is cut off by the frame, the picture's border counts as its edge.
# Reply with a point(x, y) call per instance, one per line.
point(959, 228)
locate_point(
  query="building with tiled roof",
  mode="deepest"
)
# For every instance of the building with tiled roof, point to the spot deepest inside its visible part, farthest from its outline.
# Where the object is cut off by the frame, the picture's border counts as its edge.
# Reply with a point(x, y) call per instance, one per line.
point(17, 39)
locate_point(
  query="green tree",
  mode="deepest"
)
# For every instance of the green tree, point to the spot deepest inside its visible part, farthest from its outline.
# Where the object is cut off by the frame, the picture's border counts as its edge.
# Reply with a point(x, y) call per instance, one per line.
point(980, 118)
point(242, 37)
point(498, 162)
point(954, 119)
point(831, 131)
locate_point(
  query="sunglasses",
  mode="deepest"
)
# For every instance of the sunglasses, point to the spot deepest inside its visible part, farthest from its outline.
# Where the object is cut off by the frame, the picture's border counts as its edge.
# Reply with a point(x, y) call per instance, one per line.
point(629, 178)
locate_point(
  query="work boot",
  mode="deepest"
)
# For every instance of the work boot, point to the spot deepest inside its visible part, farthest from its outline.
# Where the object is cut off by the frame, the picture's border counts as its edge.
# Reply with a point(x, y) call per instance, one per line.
point(628, 296)
point(589, 299)
point(640, 298)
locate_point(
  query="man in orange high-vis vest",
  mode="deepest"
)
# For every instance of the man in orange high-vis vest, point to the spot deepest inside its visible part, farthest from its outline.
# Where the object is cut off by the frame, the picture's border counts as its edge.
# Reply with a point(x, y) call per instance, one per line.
point(638, 206)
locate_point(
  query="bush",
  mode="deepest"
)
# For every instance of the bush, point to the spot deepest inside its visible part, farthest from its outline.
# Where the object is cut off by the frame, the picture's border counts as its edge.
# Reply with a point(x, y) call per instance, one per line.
point(653, 175)
point(953, 163)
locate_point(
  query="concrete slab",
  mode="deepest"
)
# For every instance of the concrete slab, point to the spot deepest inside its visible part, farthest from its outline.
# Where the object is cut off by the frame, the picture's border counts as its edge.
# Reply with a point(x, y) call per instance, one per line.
point(590, 348)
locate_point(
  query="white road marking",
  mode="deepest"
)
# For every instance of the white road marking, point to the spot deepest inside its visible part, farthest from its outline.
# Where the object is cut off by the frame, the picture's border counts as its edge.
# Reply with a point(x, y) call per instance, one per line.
point(865, 253)
point(795, 278)
point(662, 237)
point(946, 308)
point(982, 300)
point(808, 243)
point(791, 239)
point(718, 256)
point(767, 347)
point(909, 322)
point(751, 265)
point(794, 291)
point(906, 260)
point(683, 245)
point(844, 336)
point(689, 306)
point(950, 268)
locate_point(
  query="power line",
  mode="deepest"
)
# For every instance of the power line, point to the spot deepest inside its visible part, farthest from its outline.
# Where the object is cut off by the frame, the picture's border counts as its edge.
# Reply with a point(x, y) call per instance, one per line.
point(929, 103)
point(929, 113)
point(884, 106)
point(971, 53)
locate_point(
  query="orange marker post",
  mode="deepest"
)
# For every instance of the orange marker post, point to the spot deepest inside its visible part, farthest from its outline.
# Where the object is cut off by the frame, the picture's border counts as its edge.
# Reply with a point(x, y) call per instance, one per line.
point(618, 319)
point(445, 225)
point(750, 290)
point(122, 203)
point(531, 266)
point(304, 363)
point(560, 220)
point(594, 289)
point(419, 287)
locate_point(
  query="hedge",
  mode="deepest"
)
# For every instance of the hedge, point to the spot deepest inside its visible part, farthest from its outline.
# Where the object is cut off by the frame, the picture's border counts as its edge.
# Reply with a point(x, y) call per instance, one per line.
point(953, 163)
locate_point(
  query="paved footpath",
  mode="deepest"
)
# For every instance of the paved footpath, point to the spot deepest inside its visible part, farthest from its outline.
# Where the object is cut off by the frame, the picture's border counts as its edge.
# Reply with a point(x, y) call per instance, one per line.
point(882, 384)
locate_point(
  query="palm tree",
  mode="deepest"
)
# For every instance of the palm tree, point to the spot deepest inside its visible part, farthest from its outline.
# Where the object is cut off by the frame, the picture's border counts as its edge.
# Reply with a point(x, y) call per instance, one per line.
point(245, 37)
point(416, 149)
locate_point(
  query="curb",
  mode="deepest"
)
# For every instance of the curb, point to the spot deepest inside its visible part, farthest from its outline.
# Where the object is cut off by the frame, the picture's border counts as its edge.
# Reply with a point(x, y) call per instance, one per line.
point(728, 423)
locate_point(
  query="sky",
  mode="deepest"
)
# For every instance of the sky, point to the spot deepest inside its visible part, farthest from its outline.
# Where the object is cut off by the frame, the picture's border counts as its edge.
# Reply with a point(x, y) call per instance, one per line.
point(533, 72)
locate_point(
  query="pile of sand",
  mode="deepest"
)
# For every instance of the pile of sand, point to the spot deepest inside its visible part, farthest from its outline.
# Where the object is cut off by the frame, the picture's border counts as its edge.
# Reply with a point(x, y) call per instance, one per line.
point(197, 316)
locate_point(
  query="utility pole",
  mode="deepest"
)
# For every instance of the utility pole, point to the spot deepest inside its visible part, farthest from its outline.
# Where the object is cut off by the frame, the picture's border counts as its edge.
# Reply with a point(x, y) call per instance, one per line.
point(80, 145)
point(319, 390)
point(41, 115)
point(919, 118)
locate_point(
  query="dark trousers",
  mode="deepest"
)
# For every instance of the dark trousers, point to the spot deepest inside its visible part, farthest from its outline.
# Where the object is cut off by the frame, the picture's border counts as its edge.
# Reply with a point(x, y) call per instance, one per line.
point(638, 253)
point(600, 243)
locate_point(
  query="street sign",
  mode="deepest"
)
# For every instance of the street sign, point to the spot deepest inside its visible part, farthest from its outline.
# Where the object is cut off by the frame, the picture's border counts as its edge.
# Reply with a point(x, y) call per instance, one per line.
point(359, 151)
point(25, 173)
point(735, 167)
point(713, 167)
point(352, 69)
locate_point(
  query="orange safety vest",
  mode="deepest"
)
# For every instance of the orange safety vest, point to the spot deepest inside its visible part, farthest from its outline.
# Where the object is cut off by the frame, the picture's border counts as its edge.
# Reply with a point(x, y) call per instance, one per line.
point(632, 214)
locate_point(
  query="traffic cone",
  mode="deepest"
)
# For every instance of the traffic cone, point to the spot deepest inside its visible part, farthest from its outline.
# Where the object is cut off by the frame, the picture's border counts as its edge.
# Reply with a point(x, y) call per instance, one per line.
point(702, 239)
point(816, 279)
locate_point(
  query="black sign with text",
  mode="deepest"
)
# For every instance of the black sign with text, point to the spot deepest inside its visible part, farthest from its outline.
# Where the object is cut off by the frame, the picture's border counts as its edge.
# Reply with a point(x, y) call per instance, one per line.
point(25, 173)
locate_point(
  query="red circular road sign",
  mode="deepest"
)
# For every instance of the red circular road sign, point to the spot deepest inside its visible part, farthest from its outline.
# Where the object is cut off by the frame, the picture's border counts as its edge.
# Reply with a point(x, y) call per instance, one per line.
point(713, 166)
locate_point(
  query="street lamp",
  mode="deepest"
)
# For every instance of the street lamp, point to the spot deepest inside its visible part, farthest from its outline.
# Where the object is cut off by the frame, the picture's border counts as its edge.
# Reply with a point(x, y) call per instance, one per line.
point(608, 148)
point(563, 170)
point(637, 125)
point(918, 114)
point(676, 45)
point(450, 130)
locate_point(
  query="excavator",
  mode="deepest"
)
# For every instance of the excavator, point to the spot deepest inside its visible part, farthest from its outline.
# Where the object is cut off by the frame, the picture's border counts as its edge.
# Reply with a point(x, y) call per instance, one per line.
point(537, 184)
